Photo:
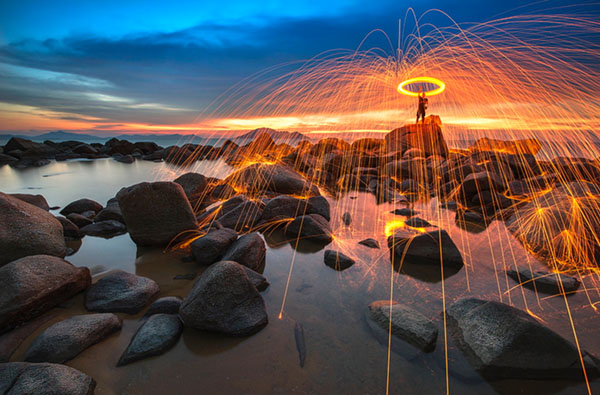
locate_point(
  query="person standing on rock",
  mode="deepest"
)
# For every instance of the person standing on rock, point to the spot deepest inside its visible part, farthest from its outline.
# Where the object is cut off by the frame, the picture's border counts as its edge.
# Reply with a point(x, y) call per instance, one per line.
point(422, 105)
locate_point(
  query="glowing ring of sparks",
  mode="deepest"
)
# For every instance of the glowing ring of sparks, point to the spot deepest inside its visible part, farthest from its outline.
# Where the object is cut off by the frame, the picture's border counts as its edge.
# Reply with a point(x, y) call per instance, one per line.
point(431, 80)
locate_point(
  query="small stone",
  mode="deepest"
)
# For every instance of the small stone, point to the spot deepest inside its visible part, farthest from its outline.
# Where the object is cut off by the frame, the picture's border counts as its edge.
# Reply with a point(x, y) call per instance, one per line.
point(546, 282)
point(371, 243)
point(81, 205)
point(106, 229)
point(337, 260)
point(121, 292)
point(347, 218)
point(164, 305)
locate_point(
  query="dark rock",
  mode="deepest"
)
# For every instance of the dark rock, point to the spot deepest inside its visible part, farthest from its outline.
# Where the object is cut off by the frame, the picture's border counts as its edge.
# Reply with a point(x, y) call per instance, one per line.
point(66, 339)
point(259, 281)
point(416, 222)
point(346, 218)
point(85, 149)
point(164, 305)
point(310, 227)
point(69, 228)
point(18, 378)
point(371, 243)
point(79, 220)
point(106, 229)
point(192, 183)
point(405, 212)
point(80, 206)
point(249, 250)
point(27, 230)
point(36, 200)
point(156, 213)
point(242, 217)
point(5, 159)
point(544, 281)
point(424, 248)
point(319, 205)
point(406, 323)
point(121, 292)
point(475, 183)
point(224, 300)
point(124, 158)
point(156, 336)
point(284, 207)
point(337, 260)
point(503, 342)
point(34, 284)
point(110, 212)
point(209, 248)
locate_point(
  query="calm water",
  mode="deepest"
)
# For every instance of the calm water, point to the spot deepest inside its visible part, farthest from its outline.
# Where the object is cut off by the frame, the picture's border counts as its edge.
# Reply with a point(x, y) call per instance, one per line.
point(343, 356)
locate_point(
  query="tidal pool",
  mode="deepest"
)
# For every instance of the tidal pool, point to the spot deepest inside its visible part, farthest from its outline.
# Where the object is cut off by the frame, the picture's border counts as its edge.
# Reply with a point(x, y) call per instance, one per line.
point(343, 354)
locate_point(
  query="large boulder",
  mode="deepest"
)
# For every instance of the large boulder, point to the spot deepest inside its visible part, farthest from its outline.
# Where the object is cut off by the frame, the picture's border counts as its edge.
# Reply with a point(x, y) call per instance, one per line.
point(429, 248)
point(121, 292)
point(406, 323)
point(249, 250)
point(503, 342)
point(155, 213)
point(66, 339)
point(209, 248)
point(156, 336)
point(32, 285)
point(18, 378)
point(259, 177)
point(525, 146)
point(311, 227)
point(28, 230)
point(224, 300)
point(427, 137)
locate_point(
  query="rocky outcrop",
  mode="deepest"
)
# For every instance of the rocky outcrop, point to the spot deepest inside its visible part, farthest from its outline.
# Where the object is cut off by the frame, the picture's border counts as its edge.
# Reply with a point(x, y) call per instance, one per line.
point(66, 339)
point(28, 230)
point(18, 378)
point(406, 323)
point(224, 300)
point(156, 336)
point(34, 284)
point(121, 292)
point(503, 342)
point(427, 137)
point(526, 146)
point(156, 213)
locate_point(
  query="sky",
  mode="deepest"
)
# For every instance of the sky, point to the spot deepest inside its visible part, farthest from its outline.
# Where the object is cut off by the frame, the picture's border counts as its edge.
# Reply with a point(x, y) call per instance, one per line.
point(147, 66)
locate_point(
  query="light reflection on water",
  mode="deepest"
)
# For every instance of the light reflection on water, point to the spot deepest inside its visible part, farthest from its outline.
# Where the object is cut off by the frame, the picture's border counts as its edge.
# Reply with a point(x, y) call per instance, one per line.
point(343, 356)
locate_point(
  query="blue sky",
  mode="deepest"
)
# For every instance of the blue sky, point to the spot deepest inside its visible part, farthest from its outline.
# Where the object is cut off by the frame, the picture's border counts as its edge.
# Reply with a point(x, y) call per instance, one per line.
point(117, 62)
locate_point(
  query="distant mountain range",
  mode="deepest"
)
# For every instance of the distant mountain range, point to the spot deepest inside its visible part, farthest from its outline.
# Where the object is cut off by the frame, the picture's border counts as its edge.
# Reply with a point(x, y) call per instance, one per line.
point(292, 138)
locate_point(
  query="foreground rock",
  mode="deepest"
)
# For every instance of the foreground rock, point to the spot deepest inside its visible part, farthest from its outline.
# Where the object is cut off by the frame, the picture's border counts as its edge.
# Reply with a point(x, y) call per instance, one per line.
point(337, 260)
point(34, 284)
point(155, 213)
point(311, 227)
point(35, 200)
point(44, 378)
point(209, 248)
point(28, 230)
point(502, 342)
point(249, 250)
point(544, 281)
point(121, 292)
point(224, 300)
point(165, 305)
point(157, 335)
point(66, 339)
point(406, 323)
point(424, 248)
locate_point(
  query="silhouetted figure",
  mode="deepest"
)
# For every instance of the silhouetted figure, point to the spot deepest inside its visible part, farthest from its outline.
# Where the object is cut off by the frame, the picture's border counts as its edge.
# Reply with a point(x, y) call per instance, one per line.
point(422, 106)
